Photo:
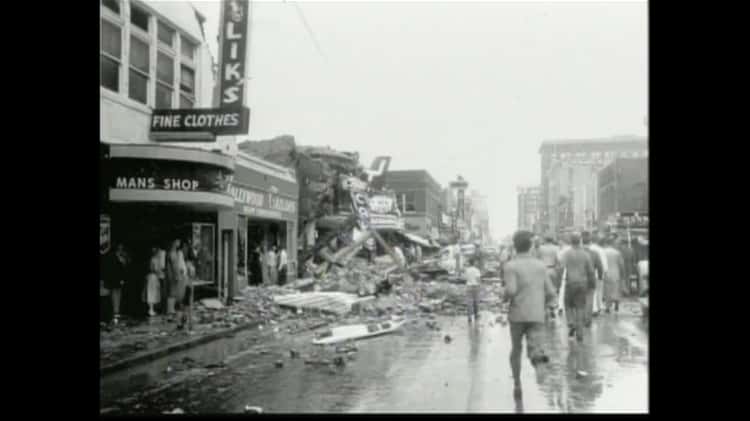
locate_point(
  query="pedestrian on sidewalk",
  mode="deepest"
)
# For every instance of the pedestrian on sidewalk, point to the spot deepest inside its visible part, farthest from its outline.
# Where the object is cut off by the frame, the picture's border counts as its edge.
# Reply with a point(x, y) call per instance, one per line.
point(579, 278)
point(471, 274)
point(283, 266)
point(530, 291)
point(598, 273)
point(176, 273)
point(631, 270)
point(152, 292)
point(116, 272)
point(272, 262)
point(614, 284)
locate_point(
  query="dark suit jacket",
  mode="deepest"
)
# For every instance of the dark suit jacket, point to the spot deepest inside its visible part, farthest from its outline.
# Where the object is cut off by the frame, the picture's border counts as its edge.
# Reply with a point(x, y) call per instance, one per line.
point(579, 267)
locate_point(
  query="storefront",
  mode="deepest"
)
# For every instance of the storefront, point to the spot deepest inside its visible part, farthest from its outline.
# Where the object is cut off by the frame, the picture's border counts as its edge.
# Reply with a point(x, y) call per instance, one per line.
point(266, 204)
point(152, 195)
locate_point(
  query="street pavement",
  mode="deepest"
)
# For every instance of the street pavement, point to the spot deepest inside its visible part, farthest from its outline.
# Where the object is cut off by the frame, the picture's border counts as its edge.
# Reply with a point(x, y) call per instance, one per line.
point(415, 370)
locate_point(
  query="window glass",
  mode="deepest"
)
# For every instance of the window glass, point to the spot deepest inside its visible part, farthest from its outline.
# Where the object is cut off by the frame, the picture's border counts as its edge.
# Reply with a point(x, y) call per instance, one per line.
point(139, 18)
point(110, 73)
point(139, 54)
point(188, 49)
point(138, 86)
point(165, 68)
point(186, 102)
point(111, 39)
point(112, 5)
point(166, 34)
point(187, 80)
point(163, 96)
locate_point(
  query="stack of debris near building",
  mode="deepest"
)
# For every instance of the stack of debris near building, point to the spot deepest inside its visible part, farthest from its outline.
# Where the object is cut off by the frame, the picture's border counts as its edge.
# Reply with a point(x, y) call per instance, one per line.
point(336, 219)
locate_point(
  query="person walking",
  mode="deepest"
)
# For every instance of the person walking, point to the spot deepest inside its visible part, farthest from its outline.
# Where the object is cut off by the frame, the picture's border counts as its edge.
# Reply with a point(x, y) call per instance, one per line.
point(614, 284)
point(631, 270)
point(271, 263)
point(596, 246)
point(548, 253)
point(598, 273)
point(530, 291)
point(471, 274)
point(116, 272)
point(283, 266)
point(579, 278)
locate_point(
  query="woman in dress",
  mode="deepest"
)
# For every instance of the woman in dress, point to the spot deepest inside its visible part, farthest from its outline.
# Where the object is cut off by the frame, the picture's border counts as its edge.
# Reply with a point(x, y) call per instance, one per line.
point(613, 284)
point(152, 292)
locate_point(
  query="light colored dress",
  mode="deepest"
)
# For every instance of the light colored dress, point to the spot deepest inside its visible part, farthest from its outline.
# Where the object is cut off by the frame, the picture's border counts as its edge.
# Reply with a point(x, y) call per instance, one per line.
point(153, 285)
point(613, 284)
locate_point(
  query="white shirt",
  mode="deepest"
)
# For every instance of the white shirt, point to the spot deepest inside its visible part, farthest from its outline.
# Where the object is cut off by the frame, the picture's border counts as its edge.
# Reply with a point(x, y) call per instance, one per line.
point(602, 256)
point(282, 259)
point(271, 258)
point(472, 276)
point(400, 254)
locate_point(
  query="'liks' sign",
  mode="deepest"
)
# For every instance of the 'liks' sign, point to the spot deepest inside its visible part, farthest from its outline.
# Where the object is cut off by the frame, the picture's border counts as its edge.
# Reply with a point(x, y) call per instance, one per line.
point(234, 45)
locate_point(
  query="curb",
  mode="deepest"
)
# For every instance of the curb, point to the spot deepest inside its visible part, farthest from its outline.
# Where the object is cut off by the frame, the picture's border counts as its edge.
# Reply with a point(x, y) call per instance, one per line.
point(180, 346)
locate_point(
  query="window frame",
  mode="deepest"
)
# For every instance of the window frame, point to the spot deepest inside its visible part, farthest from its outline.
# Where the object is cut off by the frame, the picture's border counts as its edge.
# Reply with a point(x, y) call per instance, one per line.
point(190, 64)
point(119, 21)
point(147, 74)
point(171, 53)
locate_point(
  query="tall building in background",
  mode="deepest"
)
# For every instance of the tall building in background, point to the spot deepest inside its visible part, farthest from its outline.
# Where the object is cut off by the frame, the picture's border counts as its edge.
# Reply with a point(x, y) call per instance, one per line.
point(529, 209)
point(623, 188)
point(479, 217)
point(569, 169)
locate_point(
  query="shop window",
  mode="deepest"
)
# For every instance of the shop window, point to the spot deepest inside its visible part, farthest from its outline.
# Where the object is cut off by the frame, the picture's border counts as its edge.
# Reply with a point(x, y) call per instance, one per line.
point(187, 87)
point(112, 5)
point(139, 18)
point(165, 80)
point(111, 55)
point(166, 35)
point(139, 71)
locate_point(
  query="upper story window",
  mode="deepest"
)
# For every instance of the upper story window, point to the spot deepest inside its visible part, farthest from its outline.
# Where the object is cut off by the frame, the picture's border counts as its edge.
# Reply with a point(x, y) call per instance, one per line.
point(112, 5)
point(139, 69)
point(162, 63)
point(165, 35)
point(139, 18)
point(407, 202)
point(111, 55)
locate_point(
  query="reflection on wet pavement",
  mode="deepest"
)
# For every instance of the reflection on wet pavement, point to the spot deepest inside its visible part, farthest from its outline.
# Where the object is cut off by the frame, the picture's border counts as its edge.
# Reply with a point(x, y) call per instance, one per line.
point(417, 371)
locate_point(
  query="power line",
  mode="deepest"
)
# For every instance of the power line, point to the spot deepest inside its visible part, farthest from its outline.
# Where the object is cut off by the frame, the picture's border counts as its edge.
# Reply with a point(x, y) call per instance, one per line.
point(310, 32)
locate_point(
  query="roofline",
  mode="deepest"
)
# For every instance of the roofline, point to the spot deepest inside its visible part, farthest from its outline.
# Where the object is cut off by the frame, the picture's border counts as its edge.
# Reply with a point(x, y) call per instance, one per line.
point(603, 141)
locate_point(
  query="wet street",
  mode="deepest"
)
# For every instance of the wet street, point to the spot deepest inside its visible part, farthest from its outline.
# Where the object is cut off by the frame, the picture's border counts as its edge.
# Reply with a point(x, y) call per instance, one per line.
point(415, 370)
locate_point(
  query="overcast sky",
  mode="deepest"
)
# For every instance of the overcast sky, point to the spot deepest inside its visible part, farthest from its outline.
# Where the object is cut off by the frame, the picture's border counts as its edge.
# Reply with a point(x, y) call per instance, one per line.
point(453, 88)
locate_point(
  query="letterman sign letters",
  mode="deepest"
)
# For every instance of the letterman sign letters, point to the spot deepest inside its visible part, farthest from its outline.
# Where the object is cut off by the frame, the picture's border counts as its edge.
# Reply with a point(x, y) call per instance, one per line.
point(234, 44)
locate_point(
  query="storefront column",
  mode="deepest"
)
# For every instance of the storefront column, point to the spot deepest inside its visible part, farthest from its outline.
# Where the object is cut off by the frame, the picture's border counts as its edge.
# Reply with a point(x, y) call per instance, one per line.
point(227, 254)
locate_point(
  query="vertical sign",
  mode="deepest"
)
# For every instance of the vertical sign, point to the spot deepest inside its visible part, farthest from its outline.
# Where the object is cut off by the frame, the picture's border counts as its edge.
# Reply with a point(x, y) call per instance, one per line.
point(105, 234)
point(233, 47)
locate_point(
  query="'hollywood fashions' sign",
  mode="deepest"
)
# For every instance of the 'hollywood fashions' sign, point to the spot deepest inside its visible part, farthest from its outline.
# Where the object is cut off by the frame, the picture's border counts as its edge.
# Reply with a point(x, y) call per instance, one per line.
point(263, 204)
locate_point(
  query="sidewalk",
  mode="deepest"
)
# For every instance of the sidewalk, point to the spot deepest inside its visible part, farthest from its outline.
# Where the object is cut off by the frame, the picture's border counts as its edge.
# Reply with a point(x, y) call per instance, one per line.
point(133, 342)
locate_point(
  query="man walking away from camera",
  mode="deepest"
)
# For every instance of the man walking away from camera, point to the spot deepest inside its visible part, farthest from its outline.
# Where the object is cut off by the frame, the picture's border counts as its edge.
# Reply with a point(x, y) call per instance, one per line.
point(472, 274)
point(529, 290)
point(598, 273)
point(580, 278)
point(548, 254)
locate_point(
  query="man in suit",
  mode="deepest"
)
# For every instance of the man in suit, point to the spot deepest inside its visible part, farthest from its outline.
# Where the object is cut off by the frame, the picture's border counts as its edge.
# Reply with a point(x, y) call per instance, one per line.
point(529, 289)
point(598, 272)
point(580, 278)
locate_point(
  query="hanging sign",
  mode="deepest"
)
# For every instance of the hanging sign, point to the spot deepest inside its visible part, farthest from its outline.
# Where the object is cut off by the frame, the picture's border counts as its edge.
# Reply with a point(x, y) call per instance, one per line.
point(233, 48)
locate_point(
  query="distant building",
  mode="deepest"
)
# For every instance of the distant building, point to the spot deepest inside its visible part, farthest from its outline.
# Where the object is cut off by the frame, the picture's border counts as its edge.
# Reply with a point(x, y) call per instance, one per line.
point(623, 188)
point(419, 198)
point(529, 208)
point(569, 168)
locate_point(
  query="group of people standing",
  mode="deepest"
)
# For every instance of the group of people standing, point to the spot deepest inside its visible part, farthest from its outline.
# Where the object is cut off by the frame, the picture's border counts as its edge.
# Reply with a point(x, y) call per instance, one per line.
point(275, 265)
point(168, 274)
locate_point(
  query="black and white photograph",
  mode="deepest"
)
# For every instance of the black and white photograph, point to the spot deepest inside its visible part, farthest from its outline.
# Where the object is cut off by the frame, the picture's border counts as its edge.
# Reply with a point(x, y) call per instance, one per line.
point(359, 207)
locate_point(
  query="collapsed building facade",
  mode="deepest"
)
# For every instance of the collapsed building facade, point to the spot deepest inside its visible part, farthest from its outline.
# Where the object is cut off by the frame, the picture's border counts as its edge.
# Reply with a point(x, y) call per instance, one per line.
point(345, 209)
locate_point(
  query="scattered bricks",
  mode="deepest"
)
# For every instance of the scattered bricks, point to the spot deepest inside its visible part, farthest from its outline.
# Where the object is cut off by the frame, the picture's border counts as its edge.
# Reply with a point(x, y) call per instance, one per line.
point(278, 364)
point(448, 339)
point(294, 354)
point(339, 361)
point(253, 409)
point(317, 362)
